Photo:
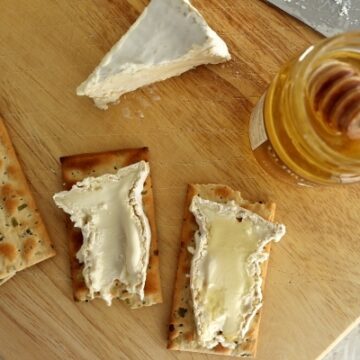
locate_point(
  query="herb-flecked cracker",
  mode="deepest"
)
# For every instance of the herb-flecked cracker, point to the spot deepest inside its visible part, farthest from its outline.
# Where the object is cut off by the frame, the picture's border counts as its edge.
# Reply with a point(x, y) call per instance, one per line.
point(182, 328)
point(24, 240)
point(78, 167)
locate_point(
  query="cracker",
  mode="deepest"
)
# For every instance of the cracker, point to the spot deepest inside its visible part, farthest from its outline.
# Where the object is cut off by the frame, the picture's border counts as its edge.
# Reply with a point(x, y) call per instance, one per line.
point(24, 240)
point(76, 168)
point(182, 328)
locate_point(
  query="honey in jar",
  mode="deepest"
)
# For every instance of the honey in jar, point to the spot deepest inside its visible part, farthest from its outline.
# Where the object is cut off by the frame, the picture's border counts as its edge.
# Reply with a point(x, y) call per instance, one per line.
point(305, 129)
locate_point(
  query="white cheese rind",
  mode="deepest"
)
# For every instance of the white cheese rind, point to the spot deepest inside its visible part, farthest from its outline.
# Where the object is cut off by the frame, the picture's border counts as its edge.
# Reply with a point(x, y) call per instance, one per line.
point(169, 38)
point(225, 276)
point(116, 232)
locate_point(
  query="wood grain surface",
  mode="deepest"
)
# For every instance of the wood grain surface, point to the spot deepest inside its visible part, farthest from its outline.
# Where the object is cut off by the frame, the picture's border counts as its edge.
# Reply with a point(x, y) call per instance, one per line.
point(196, 128)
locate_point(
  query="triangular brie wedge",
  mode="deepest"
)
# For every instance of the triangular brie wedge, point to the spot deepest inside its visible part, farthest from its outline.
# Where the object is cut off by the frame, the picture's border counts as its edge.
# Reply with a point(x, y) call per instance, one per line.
point(169, 38)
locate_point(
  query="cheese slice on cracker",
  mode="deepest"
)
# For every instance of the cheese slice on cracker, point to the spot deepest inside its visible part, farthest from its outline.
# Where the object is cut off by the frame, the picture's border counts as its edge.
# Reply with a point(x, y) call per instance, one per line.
point(24, 240)
point(116, 222)
point(224, 248)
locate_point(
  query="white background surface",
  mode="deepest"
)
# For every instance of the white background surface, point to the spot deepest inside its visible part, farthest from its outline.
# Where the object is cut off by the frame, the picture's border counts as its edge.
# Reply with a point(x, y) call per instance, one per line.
point(347, 349)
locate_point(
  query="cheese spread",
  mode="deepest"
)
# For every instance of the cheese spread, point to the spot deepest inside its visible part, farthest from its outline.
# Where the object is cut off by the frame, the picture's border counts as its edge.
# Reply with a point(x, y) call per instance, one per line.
point(169, 38)
point(116, 233)
point(225, 276)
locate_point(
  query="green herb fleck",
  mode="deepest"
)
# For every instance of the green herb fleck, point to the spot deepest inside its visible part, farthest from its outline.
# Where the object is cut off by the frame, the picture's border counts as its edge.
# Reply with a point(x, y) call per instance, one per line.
point(14, 222)
point(22, 207)
point(28, 231)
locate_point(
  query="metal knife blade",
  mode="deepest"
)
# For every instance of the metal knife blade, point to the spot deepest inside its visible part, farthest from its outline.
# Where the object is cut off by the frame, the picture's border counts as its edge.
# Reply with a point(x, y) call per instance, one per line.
point(329, 17)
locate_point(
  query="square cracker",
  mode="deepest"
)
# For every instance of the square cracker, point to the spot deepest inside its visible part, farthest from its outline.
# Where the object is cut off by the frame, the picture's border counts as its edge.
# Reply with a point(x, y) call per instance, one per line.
point(77, 167)
point(24, 240)
point(182, 328)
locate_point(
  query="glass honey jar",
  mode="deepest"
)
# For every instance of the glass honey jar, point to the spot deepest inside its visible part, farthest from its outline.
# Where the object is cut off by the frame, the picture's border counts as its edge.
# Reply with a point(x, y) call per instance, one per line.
point(305, 129)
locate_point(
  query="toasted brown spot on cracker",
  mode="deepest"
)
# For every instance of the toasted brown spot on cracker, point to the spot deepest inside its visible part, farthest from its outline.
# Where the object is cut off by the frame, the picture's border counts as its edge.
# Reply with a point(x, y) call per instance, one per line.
point(81, 292)
point(85, 164)
point(186, 269)
point(220, 349)
point(12, 171)
point(222, 192)
point(7, 191)
point(29, 247)
point(11, 205)
point(77, 240)
point(8, 251)
point(137, 155)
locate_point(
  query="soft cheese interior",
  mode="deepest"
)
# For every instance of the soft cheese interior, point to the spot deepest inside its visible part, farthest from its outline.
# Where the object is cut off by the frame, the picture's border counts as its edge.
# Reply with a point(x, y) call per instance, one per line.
point(169, 38)
point(225, 274)
point(116, 233)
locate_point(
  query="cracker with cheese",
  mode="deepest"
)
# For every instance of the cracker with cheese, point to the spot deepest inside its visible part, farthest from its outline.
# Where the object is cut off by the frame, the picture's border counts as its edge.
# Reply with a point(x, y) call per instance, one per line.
point(111, 228)
point(24, 240)
point(225, 242)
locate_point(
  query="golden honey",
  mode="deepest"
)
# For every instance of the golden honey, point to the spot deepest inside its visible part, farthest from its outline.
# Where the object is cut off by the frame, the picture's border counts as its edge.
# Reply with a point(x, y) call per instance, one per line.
point(306, 128)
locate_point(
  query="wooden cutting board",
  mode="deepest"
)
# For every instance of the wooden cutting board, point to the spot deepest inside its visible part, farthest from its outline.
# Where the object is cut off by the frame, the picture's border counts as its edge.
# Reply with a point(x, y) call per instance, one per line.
point(196, 127)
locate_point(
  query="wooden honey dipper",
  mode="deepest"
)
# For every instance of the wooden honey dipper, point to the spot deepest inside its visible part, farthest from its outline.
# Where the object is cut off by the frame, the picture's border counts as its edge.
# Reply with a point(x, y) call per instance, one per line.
point(335, 93)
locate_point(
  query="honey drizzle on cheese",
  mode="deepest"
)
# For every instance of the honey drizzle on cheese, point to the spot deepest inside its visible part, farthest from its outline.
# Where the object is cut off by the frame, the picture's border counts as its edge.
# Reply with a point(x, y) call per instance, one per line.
point(225, 277)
